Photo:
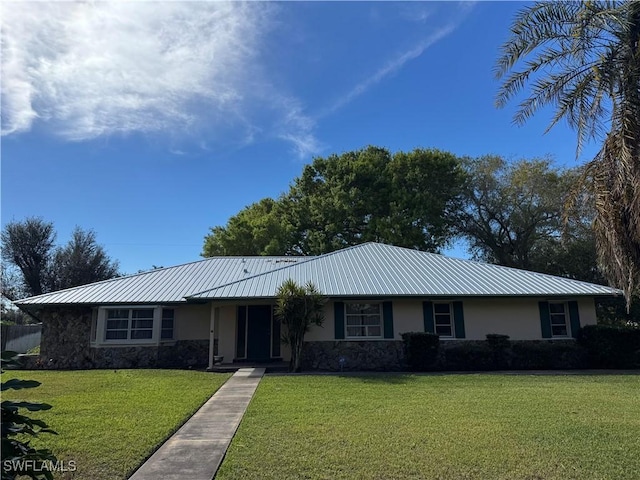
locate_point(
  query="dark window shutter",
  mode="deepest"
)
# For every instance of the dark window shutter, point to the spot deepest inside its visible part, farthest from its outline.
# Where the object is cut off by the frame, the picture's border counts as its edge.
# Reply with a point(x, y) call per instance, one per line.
point(574, 318)
point(338, 318)
point(427, 315)
point(545, 319)
point(458, 319)
point(387, 318)
point(241, 332)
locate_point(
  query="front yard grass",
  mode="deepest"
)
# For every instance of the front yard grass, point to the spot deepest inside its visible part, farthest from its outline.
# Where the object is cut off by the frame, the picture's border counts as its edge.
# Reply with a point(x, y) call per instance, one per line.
point(439, 427)
point(110, 421)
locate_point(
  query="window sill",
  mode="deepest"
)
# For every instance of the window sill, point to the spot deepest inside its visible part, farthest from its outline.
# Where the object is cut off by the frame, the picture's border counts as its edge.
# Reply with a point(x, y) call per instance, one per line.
point(123, 344)
point(363, 339)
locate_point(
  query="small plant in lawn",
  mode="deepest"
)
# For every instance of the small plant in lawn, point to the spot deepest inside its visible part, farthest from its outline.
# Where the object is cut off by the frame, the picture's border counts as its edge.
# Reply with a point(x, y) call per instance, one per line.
point(18, 457)
point(298, 307)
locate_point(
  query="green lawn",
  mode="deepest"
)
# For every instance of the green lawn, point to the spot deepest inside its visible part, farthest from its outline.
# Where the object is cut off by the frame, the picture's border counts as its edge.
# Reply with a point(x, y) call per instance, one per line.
point(110, 421)
point(440, 427)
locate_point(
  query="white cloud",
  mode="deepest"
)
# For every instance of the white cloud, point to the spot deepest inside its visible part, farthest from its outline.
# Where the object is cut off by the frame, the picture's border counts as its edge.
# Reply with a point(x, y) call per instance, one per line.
point(99, 68)
point(390, 68)
point(297, 127)
point(83, 70)
point(418, 12)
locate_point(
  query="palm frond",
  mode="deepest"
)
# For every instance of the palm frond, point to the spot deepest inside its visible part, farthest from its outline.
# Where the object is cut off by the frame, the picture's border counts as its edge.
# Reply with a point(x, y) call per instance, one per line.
point(583, 58)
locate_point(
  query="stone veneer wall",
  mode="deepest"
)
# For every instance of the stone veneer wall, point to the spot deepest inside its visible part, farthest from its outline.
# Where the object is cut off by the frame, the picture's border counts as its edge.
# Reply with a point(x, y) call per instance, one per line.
point(376, 355)
point(184, 353)
point(66, 338)
point(66, 345)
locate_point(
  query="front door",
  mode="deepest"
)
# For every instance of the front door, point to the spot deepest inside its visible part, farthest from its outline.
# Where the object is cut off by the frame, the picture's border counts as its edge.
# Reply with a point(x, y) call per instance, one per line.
point(259, 333)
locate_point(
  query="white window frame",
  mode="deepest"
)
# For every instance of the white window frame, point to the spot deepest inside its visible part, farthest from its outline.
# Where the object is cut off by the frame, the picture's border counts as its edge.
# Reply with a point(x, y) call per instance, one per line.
point(101, 327)
point(451, 323)
point(565, 314)
point(366, 328)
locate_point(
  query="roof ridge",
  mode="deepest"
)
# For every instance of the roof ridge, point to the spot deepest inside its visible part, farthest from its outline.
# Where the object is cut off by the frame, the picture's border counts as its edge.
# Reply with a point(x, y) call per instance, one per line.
point(308, 259)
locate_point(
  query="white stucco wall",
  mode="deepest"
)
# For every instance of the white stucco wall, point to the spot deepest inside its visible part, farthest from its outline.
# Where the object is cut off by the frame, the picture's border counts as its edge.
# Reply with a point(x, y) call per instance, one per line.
point(327, 330)
point(191, 322)
point(407, 317)
point(517, 317)
point(587, 311)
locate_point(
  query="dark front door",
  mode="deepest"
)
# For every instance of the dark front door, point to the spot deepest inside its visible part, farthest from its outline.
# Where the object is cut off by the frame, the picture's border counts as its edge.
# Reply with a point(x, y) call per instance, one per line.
point(259, 333)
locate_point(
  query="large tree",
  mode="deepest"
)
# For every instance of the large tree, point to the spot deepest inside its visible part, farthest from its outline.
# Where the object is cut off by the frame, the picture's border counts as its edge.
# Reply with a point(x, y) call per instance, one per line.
point(81, 261)
point(28, 245)
point(513, 216)
point(511, 208)
point(28, 248)
point(259, 229)
point(583, 58)
point(406, 199)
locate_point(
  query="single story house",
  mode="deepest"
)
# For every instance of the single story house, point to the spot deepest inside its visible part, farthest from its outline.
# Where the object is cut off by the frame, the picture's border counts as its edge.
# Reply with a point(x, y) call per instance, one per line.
point(193, 314)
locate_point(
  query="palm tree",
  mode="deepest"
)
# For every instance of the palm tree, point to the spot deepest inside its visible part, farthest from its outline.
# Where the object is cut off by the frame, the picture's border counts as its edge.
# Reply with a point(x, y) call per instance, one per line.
point(298, 307)
point(583, 58)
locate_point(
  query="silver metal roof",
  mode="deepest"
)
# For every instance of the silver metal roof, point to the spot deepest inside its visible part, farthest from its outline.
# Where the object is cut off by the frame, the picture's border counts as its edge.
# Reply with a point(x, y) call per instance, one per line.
point(164, 285)
point(370, 269)
point(374, 269)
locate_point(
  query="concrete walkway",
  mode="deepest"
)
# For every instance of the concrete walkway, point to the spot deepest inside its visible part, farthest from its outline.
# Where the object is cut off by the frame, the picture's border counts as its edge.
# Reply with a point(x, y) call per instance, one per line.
point(196, 450)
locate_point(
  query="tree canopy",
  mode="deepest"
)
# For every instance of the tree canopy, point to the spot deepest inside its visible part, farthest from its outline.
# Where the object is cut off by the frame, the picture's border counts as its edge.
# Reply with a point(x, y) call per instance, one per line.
point(583, 59)
point(259, 229)
point(29, 247)
point(82, 260)
point(406, 199)
point(514, 216)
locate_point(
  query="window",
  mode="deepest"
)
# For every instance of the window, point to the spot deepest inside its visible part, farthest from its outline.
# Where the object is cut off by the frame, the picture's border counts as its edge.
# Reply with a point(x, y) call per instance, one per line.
point(363, 319)
point(558, 316)
point(443, 319)
point(167, 324)
point(129, 324)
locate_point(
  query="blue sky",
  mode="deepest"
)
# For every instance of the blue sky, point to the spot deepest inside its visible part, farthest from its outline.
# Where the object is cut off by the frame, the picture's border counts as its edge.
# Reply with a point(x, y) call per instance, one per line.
point(149, 123)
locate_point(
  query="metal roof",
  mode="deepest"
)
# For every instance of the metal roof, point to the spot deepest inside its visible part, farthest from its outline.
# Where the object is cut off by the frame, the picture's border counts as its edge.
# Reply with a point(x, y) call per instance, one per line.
point(164, 285)
point(370, 269)
point(374, 269)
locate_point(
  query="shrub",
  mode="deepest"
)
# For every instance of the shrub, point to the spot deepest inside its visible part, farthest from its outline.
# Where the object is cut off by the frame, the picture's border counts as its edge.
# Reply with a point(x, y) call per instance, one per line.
point(467, 355)
point(420, 350)
point(298, 307)
point(611, 346)
point(18, 457)
point(499, 346)
point(547, 355)
point(497, 341)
